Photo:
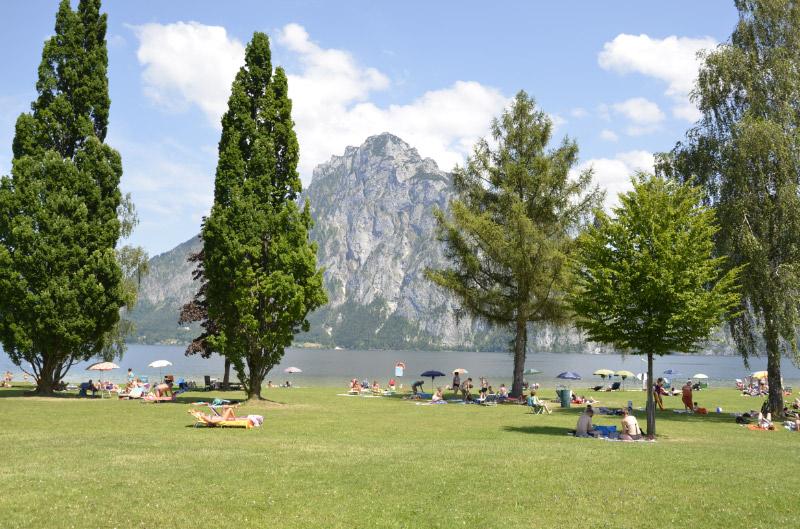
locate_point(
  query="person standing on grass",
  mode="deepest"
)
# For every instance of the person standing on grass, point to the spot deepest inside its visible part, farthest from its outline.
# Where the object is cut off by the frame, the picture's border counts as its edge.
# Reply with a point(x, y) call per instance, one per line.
point(456, 382)
point(688, 403)
point(658, 391)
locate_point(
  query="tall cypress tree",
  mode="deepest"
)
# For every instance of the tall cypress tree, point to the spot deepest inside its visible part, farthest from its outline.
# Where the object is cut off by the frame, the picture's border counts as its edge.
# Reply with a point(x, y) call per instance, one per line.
point(60, 284)
point(745, 152)
point(260, 267)
point(511, 229)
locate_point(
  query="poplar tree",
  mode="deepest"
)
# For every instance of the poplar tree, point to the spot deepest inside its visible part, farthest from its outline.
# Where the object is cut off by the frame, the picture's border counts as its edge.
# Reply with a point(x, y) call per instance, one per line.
point(61, 286)
point(745, 152)
point(259, 264)
point(646, 279)
point(511, 229)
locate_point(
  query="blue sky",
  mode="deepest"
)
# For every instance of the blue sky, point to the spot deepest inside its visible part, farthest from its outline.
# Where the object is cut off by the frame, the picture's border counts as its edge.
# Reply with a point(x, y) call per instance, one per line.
point(613, 75)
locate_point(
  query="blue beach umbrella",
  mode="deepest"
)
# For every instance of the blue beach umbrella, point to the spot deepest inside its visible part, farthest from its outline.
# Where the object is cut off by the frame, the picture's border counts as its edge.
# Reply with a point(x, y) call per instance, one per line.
point(433, 374)
point(569, 375)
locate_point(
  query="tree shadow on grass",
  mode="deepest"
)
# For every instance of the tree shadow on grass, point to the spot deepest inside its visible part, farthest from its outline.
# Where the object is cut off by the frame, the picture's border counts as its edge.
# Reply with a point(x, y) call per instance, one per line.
point(29, 391)
point(667, 415)
point(538, 430)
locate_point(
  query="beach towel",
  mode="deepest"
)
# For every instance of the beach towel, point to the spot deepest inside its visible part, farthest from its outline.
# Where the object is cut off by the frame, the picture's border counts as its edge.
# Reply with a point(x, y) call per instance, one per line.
point(757, 427)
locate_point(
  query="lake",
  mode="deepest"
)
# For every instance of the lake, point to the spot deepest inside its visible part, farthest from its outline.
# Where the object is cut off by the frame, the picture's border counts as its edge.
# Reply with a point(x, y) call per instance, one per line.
point(336, 367)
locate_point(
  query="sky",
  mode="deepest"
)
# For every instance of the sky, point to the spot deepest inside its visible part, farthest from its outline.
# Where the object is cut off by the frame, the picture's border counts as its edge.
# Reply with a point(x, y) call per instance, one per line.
point(614, 76)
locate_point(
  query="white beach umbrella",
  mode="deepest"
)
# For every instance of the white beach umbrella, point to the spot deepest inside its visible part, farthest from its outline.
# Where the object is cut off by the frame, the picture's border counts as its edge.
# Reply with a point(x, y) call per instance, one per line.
point(158, 364)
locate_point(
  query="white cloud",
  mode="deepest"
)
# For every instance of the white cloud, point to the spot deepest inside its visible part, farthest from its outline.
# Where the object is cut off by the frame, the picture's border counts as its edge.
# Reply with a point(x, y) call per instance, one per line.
point(192, 64)
point(578, 112)
point(608, 135)
point(188, 63)
point(672, 60)
point(613, 174)
point(643, 114)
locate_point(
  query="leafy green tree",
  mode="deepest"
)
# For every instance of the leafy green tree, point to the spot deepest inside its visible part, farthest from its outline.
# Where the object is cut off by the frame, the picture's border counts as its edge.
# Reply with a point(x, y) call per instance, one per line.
point(260, 266)
point(745, 152)
point(510, 232)
point(646, 279)
point(61, 287)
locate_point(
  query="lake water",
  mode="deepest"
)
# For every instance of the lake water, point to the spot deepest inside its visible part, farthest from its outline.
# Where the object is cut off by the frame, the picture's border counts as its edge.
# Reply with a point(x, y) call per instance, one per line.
point(336, 367)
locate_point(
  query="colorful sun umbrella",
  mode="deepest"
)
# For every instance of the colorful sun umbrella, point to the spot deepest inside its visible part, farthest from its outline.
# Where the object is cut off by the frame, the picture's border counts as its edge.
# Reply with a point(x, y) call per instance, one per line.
point(760, 374)
point(460, 371)
point(102, 366)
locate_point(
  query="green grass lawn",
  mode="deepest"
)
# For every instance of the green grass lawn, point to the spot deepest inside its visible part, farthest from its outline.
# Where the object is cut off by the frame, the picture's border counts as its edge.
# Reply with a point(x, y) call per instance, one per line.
point(324, 461)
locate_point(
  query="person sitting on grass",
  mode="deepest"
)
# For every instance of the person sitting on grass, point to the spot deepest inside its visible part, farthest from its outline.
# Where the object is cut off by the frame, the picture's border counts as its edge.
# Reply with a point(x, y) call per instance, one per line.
point(466, 388)
point(502, 393)
point(87, 386)
point(438, 396)
point(584, 427)
point(392, 384)
point(376, 388)
point(765, 421)
point(630, 427)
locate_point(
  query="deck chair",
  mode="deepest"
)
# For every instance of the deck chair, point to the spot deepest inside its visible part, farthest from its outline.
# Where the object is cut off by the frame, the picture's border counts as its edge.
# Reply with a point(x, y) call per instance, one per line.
point(615, 386)
point(538, 407)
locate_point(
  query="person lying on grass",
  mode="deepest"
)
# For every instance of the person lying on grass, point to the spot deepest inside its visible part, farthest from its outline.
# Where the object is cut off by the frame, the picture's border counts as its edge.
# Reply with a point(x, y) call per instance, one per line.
point(630, 427)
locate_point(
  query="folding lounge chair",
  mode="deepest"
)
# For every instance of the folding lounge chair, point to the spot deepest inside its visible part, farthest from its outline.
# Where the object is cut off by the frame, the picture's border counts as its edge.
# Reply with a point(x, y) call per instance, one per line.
point(537, 406)
point(615, 386)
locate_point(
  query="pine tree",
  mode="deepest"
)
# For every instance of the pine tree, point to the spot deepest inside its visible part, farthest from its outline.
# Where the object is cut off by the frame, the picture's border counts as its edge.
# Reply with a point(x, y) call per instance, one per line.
point(260, 267)
point(745, 153)
point(511, 230)
point(61, 287)
point(646, 280)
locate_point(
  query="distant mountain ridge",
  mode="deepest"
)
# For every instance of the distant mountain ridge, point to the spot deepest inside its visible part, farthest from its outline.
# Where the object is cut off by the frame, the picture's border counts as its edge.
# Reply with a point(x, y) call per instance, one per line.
point(374, 226)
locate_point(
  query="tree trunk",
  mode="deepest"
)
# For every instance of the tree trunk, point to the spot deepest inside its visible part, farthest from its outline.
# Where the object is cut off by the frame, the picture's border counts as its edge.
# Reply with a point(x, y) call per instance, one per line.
point(227, 376)
point(520, 344)
point(774, 369)
point(255, 378)
point(45, 380)
point(651, 404)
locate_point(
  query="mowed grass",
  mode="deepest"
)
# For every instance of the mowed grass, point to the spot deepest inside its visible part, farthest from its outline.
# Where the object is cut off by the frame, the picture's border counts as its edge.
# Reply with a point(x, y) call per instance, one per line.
point(325, 461)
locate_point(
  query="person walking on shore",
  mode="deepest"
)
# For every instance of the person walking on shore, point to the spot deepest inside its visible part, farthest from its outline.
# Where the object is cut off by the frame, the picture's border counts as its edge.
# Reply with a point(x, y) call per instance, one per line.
point(456, 383)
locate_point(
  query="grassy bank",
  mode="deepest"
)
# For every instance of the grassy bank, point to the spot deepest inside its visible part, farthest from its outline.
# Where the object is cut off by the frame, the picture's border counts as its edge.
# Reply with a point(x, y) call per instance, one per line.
point(324, 461)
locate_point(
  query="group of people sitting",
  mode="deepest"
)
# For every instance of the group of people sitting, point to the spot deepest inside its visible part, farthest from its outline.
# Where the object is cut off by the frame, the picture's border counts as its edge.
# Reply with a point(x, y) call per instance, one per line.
point(630, 426)
point(286, 384)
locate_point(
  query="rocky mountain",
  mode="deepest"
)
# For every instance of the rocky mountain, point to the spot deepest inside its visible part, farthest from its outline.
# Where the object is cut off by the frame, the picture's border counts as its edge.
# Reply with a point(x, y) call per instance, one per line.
point(373, 210)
